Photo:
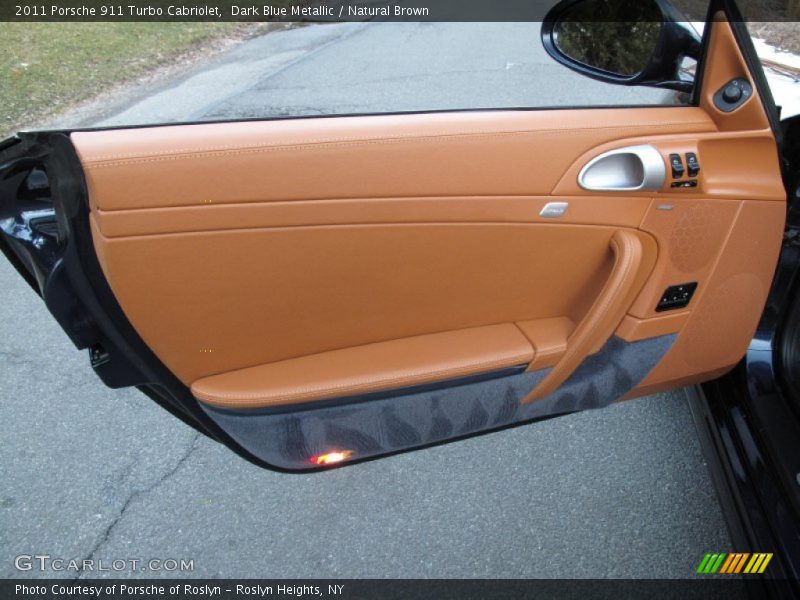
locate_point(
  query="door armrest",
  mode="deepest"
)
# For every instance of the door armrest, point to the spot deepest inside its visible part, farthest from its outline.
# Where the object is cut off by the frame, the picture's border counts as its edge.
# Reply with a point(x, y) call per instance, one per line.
point(371, 368)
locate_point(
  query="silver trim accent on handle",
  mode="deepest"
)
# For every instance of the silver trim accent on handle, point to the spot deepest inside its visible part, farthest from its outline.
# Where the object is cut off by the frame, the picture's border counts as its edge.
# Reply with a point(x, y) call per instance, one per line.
point(629, 169)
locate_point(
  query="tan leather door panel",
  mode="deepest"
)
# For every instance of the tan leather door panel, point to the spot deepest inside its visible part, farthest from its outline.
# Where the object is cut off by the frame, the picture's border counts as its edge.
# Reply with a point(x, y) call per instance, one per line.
point(237, 249)
point(217, 277)
point(283, 241)
point(226, 300)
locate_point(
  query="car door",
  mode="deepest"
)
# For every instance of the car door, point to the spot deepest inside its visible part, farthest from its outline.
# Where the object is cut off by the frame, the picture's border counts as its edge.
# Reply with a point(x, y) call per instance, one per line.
point(313, 291)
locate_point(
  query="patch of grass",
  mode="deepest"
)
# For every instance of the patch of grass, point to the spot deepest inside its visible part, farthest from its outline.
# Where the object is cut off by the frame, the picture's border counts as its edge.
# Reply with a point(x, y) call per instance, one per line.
point(48, 67)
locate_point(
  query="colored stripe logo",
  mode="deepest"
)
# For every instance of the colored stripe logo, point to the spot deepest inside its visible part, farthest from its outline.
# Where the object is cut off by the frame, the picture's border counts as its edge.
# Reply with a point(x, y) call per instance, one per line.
point(734, 563)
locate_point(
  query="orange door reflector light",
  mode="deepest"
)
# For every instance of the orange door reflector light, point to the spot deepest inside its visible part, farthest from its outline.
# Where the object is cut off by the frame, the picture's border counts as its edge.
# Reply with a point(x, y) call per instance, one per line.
point(331, 458)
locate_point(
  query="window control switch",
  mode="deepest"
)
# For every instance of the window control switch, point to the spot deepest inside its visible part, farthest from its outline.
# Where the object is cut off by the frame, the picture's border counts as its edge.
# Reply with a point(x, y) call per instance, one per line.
point(676, 162)
point(692, 164)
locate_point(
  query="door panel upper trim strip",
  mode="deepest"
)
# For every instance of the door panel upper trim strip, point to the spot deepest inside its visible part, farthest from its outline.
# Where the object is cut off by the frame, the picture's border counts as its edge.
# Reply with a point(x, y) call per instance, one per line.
point(625, 211)
point(501, 156)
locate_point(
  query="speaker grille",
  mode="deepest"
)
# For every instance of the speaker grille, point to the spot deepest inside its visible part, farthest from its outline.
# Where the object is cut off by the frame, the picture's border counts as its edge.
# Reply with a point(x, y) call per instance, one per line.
point(696, 239)
point(726, 317)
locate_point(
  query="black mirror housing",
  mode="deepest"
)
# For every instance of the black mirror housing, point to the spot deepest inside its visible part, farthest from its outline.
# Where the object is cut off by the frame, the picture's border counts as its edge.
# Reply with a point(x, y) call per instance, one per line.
point(676, 41)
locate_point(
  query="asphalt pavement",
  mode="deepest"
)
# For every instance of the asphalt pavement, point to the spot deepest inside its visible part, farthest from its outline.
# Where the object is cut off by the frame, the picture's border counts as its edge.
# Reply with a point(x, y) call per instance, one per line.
point(93, 473)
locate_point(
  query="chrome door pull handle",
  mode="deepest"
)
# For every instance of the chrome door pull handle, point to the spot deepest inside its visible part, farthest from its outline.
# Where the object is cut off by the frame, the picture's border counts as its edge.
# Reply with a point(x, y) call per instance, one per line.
point(628, 169)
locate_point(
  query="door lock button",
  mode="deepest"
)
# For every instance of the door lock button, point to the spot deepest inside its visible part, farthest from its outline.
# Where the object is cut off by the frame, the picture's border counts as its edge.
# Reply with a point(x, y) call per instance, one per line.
point(692, 164)
point(676, 162)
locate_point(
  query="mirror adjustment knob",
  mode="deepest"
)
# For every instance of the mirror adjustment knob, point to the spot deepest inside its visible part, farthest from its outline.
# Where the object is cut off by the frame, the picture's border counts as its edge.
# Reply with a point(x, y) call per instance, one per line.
point(732, 93)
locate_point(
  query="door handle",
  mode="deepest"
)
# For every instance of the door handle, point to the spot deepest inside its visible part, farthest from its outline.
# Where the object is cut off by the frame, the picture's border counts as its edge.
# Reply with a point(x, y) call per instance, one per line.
point(630, 169)
point(626, 280)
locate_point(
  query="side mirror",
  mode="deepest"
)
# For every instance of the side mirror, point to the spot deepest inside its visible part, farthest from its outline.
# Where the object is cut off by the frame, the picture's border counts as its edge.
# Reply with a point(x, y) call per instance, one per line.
point(627, 42)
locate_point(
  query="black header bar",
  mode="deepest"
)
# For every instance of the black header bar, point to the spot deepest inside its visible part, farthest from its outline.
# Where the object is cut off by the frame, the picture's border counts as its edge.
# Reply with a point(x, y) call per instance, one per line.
point(311, 10)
